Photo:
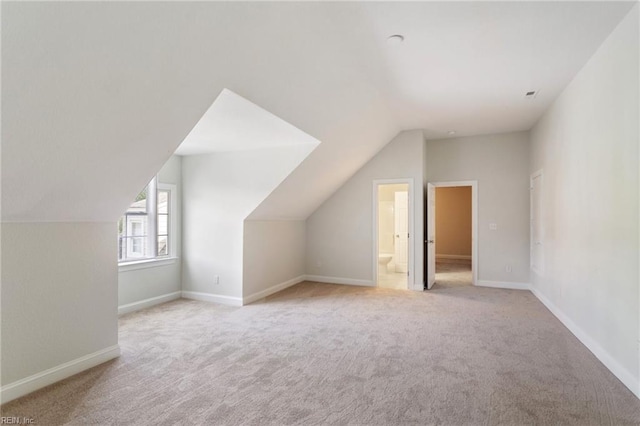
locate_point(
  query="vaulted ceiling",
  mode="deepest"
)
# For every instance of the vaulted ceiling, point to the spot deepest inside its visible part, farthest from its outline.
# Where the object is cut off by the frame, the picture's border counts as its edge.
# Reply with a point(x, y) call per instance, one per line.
point(96, 96)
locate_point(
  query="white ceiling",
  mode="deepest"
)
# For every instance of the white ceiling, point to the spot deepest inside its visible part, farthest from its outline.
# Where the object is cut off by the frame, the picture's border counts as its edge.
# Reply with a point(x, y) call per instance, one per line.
point(233, 123)
point(467, 66)
point(96, 95)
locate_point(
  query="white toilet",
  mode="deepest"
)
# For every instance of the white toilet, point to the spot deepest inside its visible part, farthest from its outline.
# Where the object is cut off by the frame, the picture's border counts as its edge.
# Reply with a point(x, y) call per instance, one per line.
point(383, 261)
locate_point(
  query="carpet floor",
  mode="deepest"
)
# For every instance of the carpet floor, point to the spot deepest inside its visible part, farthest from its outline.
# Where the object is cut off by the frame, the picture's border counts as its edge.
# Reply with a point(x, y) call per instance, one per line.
point(331, 354)
point(453, 274)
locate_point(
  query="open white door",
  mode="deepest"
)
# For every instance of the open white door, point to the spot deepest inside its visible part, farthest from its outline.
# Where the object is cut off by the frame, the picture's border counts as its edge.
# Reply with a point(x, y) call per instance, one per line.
point(431, 235)
point(401, 219)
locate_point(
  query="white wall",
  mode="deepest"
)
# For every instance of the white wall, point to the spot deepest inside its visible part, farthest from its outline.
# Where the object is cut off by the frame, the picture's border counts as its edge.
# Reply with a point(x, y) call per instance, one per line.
point(340, 233)
point(141, 284)
point(219, 191)
point(587, 146)
point(274, 256)
point(500, 164)
point(59, 294)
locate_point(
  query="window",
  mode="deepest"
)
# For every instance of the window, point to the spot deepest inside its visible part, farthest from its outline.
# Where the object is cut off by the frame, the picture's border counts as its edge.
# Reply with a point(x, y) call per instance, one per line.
point(145, 230)
point(164, 200)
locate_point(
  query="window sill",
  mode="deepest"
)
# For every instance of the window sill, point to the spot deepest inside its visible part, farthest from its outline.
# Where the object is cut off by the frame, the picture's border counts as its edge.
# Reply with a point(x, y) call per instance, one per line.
point(147, 263)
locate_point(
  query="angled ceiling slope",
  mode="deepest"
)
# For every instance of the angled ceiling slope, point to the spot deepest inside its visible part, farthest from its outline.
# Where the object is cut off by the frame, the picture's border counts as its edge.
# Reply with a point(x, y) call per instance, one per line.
point(233, 123)
point(97, 95)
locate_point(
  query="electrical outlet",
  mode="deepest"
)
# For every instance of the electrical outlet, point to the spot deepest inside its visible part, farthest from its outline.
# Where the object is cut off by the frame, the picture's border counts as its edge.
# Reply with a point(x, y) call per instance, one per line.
point(508, 268)
point(216, 279)
point(493, 226)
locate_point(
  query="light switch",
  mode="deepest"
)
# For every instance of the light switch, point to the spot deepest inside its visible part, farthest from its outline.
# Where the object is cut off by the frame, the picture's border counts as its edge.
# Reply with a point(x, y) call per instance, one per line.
point(493, 226)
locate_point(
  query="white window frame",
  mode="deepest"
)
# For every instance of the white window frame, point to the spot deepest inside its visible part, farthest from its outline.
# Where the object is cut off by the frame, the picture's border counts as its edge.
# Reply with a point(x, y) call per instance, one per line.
point(171, 257)
point(173, 219)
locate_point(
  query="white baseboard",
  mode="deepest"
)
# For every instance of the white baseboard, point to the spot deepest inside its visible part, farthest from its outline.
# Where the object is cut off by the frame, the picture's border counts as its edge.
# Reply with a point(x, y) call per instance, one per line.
point(453, 256)
point(338, 280)
point(45, 378)
point(273, 289)
point(503, 284)
point(614, 366)
point(147, 303)
point(215, 298)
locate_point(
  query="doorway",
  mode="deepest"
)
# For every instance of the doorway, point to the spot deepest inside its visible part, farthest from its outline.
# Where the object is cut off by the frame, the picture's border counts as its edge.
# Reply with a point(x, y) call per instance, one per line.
point(451, 244)
point(393, 233)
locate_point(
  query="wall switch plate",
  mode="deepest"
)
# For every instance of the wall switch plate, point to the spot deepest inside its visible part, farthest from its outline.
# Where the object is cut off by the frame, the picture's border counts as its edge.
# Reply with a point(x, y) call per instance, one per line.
point(493, 226)
point(508, 268)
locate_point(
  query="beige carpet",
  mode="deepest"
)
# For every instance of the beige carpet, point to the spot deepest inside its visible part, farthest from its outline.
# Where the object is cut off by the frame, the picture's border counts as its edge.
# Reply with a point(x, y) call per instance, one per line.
point(453, 273)
point(330, 354)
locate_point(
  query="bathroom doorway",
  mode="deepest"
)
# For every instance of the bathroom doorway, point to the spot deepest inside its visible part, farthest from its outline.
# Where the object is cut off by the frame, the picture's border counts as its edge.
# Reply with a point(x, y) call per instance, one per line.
point(393, 254)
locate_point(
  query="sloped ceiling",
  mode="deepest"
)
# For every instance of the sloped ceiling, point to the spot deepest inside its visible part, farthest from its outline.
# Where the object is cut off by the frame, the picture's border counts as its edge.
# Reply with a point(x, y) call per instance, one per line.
point(96, 96)
point(233, 123)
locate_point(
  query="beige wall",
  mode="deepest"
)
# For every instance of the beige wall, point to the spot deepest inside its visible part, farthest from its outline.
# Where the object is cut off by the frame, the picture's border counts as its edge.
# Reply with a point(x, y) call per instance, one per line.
point(218, 192)
point(500, 165)
point(340, 240)
point(453, 221)
point(386, 216)
point(387, 192)
point(274, 254)
point(59, 295)
point(142, 284)
point(587, 146)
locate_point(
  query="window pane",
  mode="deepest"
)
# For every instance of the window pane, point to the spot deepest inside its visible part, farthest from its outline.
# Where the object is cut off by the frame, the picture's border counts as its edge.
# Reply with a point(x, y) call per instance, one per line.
point(163, 201)
point(143, 231)
point(163, 247)
point(163, 224)
point(136, 228)
point(122, 247)
point(137, 225)
point(140, 204)
point(121, 230)
point(136, 247)
point(162, 242)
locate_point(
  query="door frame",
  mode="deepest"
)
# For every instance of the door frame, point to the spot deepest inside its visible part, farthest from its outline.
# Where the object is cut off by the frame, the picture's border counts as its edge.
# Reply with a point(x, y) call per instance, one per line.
point(411, 248)
point(474, 222)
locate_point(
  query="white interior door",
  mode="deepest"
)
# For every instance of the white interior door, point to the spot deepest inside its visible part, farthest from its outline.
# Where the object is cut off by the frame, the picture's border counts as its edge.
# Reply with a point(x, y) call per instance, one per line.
point(401, 242)
point(431, 235)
